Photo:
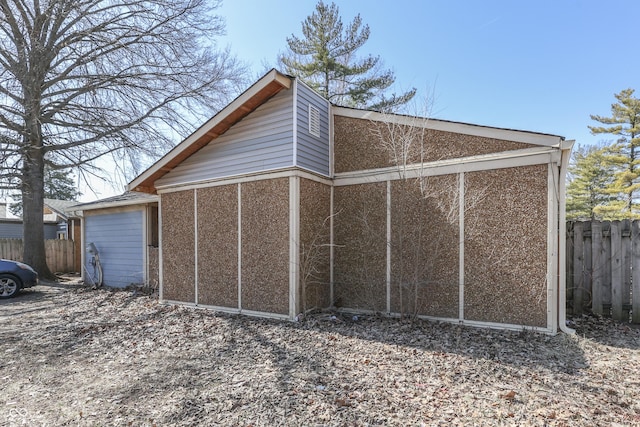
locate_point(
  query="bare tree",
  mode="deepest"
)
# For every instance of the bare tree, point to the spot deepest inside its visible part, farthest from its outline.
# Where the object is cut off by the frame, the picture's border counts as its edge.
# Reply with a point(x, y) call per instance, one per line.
point(418, 200)
point(314, 264)
point(80, 79)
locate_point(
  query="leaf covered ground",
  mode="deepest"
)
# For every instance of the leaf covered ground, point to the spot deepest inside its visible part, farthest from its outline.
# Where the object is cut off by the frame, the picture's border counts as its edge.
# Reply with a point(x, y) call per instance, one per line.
point(75, 356)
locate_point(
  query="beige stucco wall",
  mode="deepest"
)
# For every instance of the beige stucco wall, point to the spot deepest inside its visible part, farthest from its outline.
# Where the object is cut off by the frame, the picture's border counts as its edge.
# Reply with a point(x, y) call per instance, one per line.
point(218, 246)
point(361, 246)
point(424, 246)
point(178, 246)
point(265, 246)
point(358, 147)
point(504, 238)
point(506, 246)
point(315, 234)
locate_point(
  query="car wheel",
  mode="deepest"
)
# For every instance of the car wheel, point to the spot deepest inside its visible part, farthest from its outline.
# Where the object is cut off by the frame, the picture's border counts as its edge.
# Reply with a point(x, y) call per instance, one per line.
point(9, 286)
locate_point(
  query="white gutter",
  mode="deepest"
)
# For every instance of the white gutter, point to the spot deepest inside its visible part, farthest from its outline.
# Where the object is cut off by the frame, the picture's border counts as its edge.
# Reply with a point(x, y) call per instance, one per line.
point(90, 206)
point(562, 236)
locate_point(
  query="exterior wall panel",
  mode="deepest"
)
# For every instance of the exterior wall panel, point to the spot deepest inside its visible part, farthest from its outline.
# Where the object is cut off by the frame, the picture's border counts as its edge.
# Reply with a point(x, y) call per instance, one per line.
point(361, 246)
point(218, 246)
point(356, 148)
point(315, 237)
point(119, 239)
point(265, 246)
point(12, 229)
point(424, 246)
point(178, 247)
point(261, 141)
point(506, 246)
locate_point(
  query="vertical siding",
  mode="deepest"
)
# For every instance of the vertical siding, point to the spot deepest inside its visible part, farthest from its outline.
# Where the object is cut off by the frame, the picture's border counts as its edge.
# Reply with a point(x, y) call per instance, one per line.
point(118, 237)
point(261, 141)
point(312, 152)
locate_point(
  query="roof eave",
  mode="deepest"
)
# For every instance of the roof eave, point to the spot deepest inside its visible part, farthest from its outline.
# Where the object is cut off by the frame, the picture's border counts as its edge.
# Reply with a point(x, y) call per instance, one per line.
point(112, 204)
point(261, 91)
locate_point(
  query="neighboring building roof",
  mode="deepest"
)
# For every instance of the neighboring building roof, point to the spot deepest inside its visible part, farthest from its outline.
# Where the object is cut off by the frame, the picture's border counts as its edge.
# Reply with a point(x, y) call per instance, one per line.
point(261, 91)
point(60, 206)
point(128, 198)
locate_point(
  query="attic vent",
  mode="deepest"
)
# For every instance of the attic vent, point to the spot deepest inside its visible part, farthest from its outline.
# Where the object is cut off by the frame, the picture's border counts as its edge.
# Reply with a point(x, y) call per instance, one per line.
point(314, 121)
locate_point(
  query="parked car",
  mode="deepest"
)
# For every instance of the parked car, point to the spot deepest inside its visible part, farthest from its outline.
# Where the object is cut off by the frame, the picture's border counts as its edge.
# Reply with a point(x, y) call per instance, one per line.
point(15, 276)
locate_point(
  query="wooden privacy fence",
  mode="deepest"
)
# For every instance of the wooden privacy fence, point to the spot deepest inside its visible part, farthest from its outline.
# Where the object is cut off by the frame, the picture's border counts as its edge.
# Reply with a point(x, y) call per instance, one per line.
point(603, 268)
point(60, 253)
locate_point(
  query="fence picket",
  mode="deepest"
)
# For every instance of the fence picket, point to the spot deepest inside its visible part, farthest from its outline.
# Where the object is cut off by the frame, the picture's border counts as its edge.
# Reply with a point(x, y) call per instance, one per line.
point(597, 261)
point(578, 268)
point(606, 288)
point(635, 280)
point(616, 270)
point(626, 269)
point(59, 253)
point(587, 295)
point(604, 263)
point(569, 262)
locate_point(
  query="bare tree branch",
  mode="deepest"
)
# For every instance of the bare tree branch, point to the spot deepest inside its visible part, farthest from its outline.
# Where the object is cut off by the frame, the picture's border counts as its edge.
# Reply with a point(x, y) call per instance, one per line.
point(80, 79)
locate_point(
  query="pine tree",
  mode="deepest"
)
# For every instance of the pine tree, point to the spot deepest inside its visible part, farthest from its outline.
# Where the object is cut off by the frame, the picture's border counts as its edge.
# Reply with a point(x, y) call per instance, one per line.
point(590, 174)
point(623, 155)
point(325, 59)
point(58, 184)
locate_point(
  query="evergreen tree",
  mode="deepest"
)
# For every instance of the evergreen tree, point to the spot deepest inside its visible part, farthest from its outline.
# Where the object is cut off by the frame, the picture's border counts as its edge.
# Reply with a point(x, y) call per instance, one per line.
point(325, 58)
point(590, 174)
point(623, 155)
point(58, 184)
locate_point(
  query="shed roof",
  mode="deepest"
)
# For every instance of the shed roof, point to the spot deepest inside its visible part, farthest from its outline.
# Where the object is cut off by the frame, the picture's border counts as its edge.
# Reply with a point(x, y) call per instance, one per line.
point(265, 88)
point(128, 198)
point(60, 206)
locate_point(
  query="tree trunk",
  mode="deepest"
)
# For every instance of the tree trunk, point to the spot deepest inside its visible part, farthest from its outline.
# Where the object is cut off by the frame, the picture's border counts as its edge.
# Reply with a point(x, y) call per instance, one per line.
point(32, 213)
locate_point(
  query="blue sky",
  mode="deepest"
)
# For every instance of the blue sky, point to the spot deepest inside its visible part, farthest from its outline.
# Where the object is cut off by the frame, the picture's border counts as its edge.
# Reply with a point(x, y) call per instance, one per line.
point(538, 65)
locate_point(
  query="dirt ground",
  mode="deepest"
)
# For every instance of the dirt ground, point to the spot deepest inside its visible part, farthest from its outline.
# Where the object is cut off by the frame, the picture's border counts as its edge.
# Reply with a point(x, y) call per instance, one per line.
point(80, 357)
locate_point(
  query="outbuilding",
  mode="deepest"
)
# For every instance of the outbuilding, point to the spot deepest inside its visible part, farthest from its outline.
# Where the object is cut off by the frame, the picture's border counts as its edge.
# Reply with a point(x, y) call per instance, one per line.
point(123, 232)
point(283, 202)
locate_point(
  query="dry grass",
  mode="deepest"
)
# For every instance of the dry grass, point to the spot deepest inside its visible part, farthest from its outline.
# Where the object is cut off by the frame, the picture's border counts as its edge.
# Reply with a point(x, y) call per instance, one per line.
point(73, 356)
